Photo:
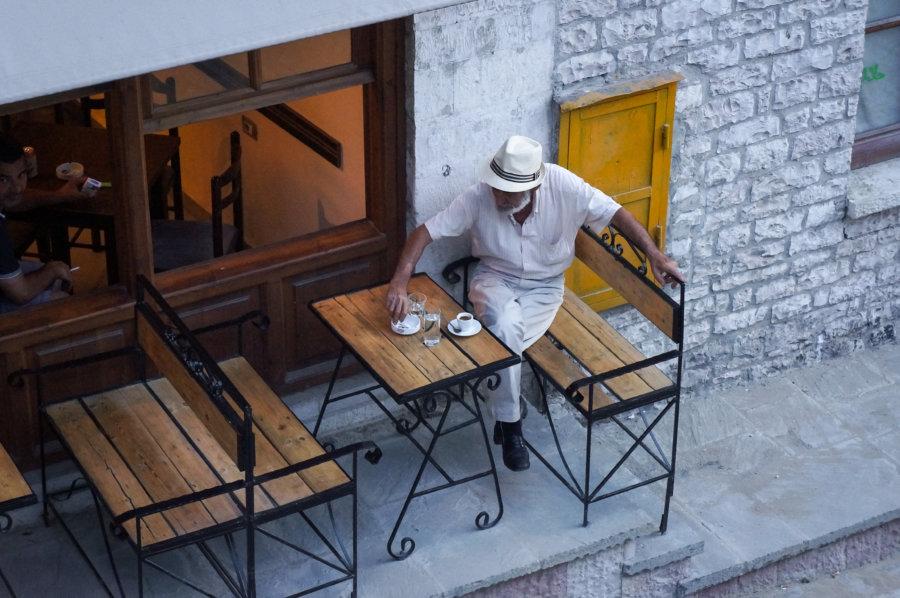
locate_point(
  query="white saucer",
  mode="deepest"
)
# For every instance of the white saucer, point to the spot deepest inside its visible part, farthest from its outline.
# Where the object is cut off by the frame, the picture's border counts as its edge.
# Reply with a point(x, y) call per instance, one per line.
point(475, 329)
point(408, 326)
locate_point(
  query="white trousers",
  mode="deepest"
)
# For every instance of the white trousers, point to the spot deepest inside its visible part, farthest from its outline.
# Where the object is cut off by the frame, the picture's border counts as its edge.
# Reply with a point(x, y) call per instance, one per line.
point(518, 312)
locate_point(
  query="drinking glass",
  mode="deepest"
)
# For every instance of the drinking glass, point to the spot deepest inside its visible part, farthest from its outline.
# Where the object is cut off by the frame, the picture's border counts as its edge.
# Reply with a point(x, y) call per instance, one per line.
point(432, 326)
point(417, 304)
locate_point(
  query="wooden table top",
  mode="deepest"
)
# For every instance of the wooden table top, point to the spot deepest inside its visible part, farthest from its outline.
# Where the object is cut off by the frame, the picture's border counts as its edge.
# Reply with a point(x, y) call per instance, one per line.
point(55, 144)
point(403, 364)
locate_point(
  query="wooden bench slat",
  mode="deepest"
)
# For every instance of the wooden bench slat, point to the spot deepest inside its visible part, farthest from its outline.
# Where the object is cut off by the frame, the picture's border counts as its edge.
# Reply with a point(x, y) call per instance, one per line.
point(595, 356)
point(560, 368)
point(13, 487)
point(207, 445)
point(632, 288)
point(187, 462)
point(149, 462)
point(106, 470)
point(282, 428)
point(613, 341)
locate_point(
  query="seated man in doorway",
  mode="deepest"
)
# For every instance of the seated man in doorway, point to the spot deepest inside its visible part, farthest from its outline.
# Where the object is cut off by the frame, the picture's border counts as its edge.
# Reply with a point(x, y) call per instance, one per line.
point(24, 282)
point(523, 218)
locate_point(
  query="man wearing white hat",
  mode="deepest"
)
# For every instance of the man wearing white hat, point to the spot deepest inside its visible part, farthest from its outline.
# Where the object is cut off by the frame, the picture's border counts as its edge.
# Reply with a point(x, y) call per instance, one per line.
point(523, 218)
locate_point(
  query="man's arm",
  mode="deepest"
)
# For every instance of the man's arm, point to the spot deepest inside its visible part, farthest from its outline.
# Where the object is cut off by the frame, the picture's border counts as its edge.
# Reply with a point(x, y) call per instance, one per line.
point(25, 287)
point(415, 245)
point(664, 268)
point(36, 198)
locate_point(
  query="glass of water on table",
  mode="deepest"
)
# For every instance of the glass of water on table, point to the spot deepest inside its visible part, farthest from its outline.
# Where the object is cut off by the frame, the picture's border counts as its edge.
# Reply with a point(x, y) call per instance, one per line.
point(431, 324)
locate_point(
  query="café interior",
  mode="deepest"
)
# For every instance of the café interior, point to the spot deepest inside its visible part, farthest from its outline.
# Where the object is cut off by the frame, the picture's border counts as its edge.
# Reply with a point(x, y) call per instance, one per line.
point(315, 129)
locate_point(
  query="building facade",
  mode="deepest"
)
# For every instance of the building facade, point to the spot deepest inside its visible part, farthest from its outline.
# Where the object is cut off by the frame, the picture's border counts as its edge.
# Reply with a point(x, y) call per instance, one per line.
point(789, 259)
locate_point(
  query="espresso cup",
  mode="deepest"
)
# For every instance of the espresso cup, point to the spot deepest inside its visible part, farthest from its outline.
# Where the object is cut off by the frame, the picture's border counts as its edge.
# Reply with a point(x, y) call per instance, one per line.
point(465, 321)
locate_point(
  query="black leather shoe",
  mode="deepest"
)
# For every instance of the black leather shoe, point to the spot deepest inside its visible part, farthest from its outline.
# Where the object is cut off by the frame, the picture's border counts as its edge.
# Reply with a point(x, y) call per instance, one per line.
point(515, 455)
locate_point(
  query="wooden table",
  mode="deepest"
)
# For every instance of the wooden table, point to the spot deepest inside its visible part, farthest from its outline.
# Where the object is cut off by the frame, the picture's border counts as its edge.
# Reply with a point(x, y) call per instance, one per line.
point(14, 493)
point(55, 144)
point(418, 377)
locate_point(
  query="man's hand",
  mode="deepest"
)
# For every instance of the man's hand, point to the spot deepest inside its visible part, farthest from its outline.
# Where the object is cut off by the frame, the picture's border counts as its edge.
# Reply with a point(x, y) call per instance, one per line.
point(396, 301)
point(71, 190)
point(665, 269)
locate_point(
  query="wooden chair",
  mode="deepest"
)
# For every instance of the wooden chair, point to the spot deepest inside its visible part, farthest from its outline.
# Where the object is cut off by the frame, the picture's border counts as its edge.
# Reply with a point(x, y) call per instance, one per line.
point(171, 181)
point(178, 243)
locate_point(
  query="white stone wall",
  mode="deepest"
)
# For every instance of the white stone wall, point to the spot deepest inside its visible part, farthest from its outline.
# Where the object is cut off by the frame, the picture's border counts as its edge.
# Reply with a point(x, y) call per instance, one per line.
point(778, 273)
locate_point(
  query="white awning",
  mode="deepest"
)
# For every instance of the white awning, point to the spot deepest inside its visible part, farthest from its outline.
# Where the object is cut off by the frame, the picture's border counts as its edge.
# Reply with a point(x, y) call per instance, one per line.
point(49, 46)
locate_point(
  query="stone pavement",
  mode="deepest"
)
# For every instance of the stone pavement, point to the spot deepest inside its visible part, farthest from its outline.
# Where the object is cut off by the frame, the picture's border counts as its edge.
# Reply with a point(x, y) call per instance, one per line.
point(791, 480)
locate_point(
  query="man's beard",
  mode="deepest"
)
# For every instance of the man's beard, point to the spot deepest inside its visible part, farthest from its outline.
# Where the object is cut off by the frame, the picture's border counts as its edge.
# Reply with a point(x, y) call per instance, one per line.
point(526, 199)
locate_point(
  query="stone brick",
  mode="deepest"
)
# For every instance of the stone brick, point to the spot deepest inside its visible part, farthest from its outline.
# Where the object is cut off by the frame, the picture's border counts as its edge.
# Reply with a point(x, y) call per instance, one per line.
point(746, 22)
point(791, 307)
point(716, 57)
point(796, 119)
point(668, 45)
point(840, 81)
point(633, 54)
point(807, 60)
point(857, 285)
point(794, 91)
point(740, 320)
point(792, 175)
point(823, 213)
point(733, 236)
point(759, 255)
point(728, 109)
point(571, 10)
point(828, 110)
point(779, 227)
point(822, 139)
point(628, 27)
point(722, 169)
point(836, 26)
point(577, 38)
point(850, 49)
point(761, 128)
point(737, 78)
point(586, 66)
point(684, 14)
point(689, 97)
point(776, 289)
point(792, 12)
point(817, 238)
point(838, 162)
point(765, 155)
point(755, 4)
point(833, 187)
point(774, 42)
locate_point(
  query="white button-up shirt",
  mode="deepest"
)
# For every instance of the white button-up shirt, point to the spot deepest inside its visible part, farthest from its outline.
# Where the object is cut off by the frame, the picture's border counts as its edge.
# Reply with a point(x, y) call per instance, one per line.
point(544, 245)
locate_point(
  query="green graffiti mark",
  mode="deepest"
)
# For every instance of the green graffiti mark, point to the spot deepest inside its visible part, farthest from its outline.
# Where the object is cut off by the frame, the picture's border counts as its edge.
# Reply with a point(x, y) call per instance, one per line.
point(870, 73)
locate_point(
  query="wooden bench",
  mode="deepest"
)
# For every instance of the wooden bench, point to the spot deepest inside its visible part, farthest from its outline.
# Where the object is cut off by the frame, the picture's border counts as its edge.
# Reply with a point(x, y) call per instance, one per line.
point(14, 493)
point(606, 378)
point(201, 451)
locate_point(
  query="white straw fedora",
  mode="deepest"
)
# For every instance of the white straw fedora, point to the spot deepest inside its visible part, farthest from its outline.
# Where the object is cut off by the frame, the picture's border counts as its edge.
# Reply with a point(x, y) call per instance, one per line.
point(517, 165)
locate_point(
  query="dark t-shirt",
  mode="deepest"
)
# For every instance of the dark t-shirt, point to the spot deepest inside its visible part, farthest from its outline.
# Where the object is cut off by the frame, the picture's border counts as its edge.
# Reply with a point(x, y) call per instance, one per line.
point(9, 265)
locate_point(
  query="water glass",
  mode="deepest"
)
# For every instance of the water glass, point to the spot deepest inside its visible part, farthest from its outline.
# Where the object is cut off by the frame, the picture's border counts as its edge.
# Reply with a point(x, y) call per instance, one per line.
point(432, 326)
point(416, 304)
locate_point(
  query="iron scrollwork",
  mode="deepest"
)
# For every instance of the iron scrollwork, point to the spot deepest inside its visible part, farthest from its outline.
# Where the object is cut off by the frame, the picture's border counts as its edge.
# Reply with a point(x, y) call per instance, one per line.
point(610, 240)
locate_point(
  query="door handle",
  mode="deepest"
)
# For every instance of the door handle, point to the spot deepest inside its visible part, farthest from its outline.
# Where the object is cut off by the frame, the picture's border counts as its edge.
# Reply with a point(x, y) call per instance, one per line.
point(666, 136)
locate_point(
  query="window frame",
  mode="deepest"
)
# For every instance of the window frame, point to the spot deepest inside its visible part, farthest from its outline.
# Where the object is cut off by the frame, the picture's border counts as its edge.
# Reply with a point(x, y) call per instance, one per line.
point(881, 144)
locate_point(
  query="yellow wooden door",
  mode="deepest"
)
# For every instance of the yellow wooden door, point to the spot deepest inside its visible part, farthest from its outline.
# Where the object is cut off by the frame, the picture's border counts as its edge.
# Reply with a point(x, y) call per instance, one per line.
point(620, 141)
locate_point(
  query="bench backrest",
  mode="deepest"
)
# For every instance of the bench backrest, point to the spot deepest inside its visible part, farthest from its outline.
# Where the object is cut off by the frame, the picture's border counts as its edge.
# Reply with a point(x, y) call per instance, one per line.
point(641, 293)
point(169, 344)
